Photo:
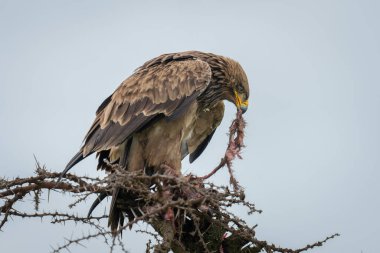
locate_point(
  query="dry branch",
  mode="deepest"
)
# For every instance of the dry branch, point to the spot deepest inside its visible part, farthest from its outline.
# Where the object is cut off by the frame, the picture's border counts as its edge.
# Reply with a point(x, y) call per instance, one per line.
point(187, 213)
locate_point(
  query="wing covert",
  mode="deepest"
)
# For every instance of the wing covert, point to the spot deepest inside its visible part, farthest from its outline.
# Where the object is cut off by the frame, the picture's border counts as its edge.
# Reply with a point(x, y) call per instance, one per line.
point(158, 90)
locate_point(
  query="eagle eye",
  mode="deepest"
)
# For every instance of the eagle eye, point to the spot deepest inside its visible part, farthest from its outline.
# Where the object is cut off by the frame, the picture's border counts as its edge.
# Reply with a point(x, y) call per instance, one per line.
point(240, 88)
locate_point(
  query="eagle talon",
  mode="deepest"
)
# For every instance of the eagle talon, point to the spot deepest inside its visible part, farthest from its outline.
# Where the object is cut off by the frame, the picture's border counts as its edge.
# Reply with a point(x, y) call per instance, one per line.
point(168, 170)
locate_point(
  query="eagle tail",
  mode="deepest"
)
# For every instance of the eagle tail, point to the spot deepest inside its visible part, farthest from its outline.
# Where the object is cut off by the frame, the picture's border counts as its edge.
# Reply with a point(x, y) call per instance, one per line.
point(97, 201)
point(116, 216)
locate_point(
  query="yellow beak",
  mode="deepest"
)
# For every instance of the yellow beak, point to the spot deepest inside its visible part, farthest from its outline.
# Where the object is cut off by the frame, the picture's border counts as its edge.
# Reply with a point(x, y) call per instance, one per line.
point(243, 105)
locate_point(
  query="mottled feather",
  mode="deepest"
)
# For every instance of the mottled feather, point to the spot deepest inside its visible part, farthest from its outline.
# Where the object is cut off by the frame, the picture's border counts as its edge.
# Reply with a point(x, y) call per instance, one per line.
point(152, 90)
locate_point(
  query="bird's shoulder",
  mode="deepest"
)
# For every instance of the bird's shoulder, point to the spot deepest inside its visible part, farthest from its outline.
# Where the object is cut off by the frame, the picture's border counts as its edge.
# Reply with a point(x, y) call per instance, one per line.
point(163, 81)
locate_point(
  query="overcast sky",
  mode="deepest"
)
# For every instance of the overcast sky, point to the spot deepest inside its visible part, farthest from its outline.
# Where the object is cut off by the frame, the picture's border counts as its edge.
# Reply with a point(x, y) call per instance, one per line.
point(312, 156)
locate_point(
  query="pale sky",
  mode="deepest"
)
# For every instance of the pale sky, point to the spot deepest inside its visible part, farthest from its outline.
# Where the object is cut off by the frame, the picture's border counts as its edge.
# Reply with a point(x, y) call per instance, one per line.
point(312, 156)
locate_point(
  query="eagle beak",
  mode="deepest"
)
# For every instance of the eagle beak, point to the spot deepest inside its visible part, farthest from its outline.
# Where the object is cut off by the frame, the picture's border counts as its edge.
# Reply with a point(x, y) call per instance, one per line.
point(242, 105)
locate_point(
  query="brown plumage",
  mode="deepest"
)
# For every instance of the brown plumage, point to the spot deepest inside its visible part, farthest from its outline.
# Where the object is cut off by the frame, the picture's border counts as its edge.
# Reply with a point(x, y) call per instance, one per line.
point(168, 108)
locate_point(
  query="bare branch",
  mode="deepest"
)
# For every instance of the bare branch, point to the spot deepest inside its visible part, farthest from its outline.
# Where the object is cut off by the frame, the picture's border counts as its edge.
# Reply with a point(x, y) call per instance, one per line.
point(187, 213)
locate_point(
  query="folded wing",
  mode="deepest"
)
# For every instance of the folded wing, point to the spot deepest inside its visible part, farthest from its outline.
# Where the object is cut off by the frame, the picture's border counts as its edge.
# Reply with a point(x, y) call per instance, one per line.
point(162, 87)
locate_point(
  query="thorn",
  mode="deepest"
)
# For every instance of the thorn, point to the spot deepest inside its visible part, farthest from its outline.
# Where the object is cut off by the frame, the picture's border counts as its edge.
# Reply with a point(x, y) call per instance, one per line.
point(141, 211)
point(133, 212)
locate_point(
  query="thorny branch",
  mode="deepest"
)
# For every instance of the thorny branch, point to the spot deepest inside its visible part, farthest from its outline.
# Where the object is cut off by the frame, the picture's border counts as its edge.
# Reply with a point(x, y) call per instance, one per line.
point(186, 213)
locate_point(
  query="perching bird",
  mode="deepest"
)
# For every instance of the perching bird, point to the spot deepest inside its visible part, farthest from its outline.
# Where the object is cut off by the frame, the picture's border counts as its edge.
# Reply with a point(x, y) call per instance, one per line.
point(167, 109)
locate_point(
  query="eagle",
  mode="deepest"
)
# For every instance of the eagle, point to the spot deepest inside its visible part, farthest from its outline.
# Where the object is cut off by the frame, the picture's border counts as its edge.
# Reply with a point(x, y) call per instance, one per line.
point(167, 109)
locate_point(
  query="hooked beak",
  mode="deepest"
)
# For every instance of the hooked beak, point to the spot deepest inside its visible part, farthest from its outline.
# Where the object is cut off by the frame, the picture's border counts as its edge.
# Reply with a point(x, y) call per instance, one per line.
point(242, 105)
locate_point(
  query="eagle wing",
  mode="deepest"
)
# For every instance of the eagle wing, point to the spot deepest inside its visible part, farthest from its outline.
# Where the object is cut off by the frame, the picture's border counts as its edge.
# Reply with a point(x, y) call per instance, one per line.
point(162, 87)
point(205, 126)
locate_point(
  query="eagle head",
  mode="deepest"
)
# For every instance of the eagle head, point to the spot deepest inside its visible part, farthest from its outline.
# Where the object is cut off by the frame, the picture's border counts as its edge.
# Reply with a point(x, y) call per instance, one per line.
point(237, 83)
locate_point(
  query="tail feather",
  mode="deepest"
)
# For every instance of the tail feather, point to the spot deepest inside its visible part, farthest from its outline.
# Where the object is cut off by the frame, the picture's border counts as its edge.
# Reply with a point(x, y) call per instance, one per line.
point(116, 215)
point(97, 201)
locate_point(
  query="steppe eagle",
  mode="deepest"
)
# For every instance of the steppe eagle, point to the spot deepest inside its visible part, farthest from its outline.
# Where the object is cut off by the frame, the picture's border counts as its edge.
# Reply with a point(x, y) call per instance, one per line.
point(167, 109)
